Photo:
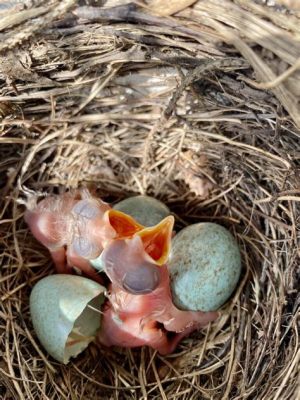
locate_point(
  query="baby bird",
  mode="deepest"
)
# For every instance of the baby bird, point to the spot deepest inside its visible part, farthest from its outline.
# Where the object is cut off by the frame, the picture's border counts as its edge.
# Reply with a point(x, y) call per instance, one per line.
point(140, 310)
point(75, 227)
point(133, 264)
point(78, 228)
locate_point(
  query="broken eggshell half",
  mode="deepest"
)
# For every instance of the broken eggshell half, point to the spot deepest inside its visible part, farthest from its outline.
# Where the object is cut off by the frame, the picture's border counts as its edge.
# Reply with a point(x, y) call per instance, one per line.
point(65, 312)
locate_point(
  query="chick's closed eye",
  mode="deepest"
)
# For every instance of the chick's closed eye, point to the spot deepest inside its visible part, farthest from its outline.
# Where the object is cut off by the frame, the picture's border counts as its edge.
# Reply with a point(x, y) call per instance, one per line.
point(129, 267)
point(86, 208)
point(85, 248)
point(143, 279)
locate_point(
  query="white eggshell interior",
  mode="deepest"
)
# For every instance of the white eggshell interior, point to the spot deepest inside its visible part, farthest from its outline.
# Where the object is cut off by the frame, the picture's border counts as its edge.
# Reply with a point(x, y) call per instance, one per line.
point(65, 311)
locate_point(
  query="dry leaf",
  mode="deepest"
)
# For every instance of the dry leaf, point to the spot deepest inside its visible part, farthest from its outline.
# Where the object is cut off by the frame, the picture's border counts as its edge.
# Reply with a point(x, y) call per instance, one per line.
point(169, 7)
point(199, 185)
point(17, 66)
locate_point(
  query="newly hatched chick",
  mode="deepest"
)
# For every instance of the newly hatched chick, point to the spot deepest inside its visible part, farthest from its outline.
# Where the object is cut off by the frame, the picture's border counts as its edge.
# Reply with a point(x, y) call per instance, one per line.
point(140, 310)
point(133, 264)
point(75, 227)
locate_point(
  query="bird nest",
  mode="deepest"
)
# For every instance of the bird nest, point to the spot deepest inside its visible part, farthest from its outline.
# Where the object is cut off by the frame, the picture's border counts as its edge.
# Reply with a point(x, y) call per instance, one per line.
point(197, 106)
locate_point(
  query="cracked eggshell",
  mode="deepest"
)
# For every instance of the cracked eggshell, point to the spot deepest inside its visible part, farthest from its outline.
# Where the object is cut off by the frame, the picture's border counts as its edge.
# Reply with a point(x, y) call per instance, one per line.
point(65, 314)
point(204, 266)
point(97, 263)
point(146, 210)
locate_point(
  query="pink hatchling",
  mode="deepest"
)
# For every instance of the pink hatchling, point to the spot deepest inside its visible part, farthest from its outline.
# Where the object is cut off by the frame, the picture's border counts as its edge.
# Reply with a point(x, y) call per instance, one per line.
point(77, 228)
point(140, 310)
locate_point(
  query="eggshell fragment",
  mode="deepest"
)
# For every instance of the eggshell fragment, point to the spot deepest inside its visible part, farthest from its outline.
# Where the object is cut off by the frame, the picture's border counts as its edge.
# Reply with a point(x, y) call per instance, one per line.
point(97, 263)
point(204, 266)
point(146, 210)
point(65, 312)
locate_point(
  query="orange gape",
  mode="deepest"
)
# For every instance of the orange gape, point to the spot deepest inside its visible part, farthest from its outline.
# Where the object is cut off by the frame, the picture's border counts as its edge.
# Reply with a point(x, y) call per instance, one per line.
point(140, 310)
point(77, 228)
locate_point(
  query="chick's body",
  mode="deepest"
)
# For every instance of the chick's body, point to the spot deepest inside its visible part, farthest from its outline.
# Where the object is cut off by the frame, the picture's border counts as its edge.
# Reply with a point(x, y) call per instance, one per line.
point(136, 320)
point(77, 228)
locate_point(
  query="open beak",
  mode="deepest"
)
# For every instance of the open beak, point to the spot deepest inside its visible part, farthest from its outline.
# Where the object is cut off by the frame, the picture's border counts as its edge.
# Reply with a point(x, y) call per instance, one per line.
point(124, 225)
point(157, 240)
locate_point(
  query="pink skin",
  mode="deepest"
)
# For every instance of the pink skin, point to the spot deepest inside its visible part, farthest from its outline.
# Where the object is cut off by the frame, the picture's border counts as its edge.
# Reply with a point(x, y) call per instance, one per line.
point(74, 228)
point(140, 310)
point(77, 227)
point(135, 320)
point(132, 264)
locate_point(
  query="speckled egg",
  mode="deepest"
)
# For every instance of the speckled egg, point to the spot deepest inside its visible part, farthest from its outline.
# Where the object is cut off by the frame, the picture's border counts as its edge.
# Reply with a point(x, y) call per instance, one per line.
point(146, 210)
point(204, 266)
point(65, 314)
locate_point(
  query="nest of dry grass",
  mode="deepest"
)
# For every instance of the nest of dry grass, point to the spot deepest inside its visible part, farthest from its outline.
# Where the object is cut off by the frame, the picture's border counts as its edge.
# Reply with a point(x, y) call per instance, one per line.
point(87, 103)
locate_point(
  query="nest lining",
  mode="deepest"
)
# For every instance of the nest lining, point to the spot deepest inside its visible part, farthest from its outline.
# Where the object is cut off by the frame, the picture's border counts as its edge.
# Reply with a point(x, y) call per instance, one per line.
point(82, 104)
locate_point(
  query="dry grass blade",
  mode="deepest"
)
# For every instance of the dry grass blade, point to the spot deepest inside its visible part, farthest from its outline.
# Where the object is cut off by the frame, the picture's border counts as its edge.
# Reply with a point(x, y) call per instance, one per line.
point(24, 31)
point(236, 24)
point(21, 16)
point(163, 8)
point(83, 103)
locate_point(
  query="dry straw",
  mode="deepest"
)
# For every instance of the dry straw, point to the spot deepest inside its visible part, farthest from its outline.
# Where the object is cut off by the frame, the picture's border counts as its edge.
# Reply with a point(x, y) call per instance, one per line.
point(83, 103)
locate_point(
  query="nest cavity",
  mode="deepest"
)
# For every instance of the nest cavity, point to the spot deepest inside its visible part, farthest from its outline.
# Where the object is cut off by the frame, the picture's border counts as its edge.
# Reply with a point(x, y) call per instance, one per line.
point(198, 107)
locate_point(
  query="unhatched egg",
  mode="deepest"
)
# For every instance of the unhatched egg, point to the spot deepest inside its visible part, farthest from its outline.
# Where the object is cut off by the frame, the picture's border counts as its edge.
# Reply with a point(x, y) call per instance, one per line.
point(146, 210)
point(204, 266)
point(65, 312)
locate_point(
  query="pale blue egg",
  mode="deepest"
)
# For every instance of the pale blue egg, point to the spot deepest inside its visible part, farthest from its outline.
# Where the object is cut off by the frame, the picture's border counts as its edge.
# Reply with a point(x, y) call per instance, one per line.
point(65, 312)
point(204, 266)
point(146, 210)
